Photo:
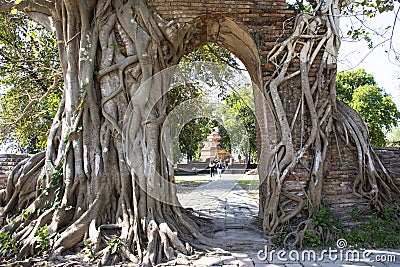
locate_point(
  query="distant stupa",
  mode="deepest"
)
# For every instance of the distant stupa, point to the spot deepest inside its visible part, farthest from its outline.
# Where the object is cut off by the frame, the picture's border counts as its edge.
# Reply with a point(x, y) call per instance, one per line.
point(211, 146)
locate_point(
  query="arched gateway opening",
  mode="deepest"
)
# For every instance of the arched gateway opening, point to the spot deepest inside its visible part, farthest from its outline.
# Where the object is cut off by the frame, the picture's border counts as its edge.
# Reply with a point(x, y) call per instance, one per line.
point(232, 208)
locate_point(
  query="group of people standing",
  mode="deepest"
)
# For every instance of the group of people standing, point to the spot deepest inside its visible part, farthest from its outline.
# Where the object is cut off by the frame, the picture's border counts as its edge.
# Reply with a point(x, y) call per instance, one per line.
point(216, 164)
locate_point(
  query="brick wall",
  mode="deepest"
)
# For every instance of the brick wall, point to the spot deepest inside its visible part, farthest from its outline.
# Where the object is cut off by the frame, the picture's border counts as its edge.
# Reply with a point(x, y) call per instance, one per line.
point(390, 157)
point(7, 163)
point(340, 177)
point(338, 187)
point(253, 12)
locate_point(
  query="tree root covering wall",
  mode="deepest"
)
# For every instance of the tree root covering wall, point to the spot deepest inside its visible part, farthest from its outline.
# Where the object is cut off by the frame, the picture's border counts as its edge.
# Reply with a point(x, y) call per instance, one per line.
point(390, 157)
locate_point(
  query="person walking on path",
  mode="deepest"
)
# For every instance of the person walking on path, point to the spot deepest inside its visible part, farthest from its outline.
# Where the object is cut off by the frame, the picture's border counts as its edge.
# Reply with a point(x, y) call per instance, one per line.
point(212, 168)
point(219, 167)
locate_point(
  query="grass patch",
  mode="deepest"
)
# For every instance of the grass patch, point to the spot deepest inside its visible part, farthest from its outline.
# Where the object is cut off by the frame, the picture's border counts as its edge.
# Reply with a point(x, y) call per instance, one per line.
point(185, 186)
point(375, 230)
point(251, 187)
point(369, 229)
point(249, 184)
point(191, 181)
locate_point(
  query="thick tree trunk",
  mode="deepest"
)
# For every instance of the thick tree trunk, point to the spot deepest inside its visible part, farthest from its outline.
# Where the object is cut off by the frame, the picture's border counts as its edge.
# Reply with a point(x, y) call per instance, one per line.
point(108, 50)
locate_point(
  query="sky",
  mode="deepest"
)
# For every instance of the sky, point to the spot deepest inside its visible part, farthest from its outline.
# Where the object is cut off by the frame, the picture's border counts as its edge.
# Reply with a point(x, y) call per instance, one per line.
point(354, 55)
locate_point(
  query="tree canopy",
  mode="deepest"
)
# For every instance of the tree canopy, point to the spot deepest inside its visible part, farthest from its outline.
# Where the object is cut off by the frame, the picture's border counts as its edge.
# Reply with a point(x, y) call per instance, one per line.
point(237, 107)
point(359, 90)
point(31, 82)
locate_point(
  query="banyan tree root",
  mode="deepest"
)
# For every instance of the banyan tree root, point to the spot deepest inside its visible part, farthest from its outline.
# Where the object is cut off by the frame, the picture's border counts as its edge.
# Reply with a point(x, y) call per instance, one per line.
point(373, 181)
point(313, 46)
point(82, 193)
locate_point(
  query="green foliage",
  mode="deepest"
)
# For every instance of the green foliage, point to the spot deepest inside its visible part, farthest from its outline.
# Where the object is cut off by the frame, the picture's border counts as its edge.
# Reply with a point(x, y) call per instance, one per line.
point(311, 239)
point(26, 213)
point(370, 8)
point(225, 141)
point(378, 110)
point(89, 250)
point(301, 6)
point(195, 131)
point(215, 76)
point(393, 137)
point(115, 245)
point(326, 221)
point(240, 107)
point(326, 228)
point(348, 81)
point(375, 230)
point(43, 238)
point(367, 9)
point(192, 136)
point(359, 90)
point(181, 93)
point(28, 64)
point(279, 239)
point(7, 246)
point(231, 106)
point(358, 34)
point(212, 52)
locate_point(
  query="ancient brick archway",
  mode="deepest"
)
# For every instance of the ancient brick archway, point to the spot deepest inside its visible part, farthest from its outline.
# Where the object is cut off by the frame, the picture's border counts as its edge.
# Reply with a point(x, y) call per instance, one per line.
point(247, 28)
point(251, 29)
point(232, 36)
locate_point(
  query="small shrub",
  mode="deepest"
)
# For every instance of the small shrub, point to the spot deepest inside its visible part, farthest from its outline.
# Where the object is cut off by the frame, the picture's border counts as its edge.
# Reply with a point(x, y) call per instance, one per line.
point(331, 228)
point(376, 230)
point(43, 238)
point(279, 239)
point(7, 245)
point(88, 250)
point(312, 240)
point(115, 245)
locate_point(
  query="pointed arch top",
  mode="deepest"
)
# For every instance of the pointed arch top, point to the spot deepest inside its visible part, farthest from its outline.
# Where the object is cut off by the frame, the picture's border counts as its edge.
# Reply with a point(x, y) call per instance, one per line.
point(232, 36)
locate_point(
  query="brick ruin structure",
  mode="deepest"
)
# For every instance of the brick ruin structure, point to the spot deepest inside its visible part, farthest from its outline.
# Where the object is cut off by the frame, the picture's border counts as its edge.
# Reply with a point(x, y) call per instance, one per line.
point(338, 188)
point(7, 163)
point(250, 30)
